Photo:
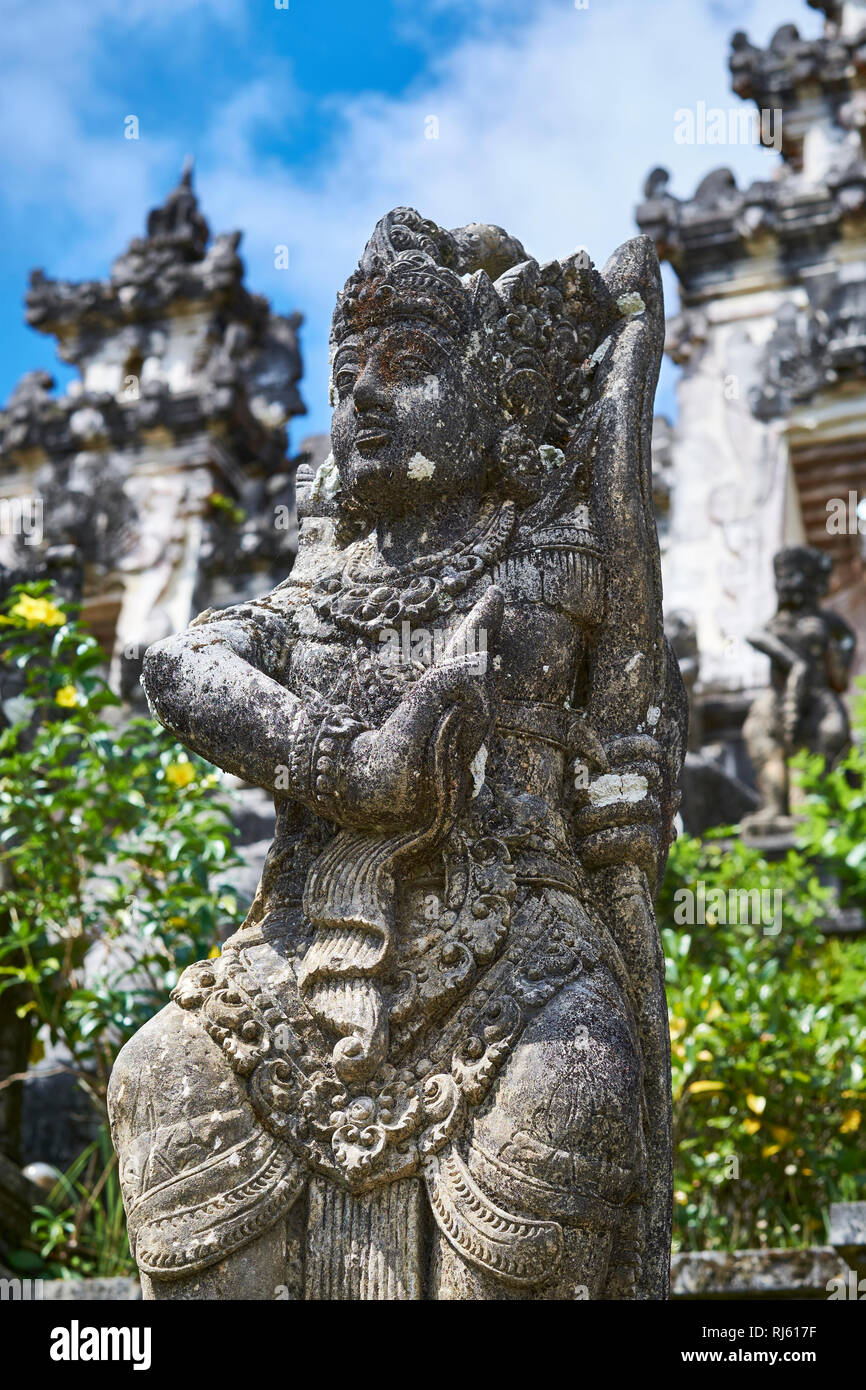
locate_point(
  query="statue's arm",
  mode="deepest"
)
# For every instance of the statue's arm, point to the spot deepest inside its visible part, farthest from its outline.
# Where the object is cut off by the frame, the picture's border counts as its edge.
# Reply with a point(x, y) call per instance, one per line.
point(770, 645)
point(840, 652)
point(214, 687)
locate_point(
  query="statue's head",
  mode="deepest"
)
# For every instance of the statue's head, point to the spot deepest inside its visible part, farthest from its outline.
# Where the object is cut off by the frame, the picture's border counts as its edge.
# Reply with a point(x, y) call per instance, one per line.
point(458, 365)
point(802, 575)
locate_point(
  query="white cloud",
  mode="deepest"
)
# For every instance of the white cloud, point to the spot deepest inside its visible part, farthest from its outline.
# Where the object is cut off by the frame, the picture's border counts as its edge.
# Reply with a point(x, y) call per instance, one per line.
point(62, 148)
point(549, 130)
point(547, 127)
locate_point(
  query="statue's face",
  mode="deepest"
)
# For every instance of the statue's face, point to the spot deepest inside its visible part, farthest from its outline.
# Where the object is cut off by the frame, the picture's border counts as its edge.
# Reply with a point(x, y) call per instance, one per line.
point(795, 586)
point(406, 429)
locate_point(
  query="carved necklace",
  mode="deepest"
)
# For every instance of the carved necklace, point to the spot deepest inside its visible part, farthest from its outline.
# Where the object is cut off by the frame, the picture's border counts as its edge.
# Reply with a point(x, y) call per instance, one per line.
point(421, 590)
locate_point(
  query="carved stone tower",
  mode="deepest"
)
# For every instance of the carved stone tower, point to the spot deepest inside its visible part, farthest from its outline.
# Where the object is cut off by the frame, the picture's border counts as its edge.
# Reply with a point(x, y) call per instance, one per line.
point(161, 476)
point(770, 445)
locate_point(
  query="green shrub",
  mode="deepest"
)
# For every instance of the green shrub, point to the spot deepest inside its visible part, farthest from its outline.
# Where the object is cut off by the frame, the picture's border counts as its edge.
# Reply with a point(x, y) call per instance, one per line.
point(110, 835)
point(834, 825)
point(768, 1031)
point(79, 1231)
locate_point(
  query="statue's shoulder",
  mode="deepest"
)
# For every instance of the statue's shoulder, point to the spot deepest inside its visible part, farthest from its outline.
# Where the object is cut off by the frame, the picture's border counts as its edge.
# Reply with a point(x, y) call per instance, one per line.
point(839, 628)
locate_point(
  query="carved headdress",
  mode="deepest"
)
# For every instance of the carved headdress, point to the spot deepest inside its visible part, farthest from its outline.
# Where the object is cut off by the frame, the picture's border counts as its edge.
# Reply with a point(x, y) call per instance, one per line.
point(527, 332)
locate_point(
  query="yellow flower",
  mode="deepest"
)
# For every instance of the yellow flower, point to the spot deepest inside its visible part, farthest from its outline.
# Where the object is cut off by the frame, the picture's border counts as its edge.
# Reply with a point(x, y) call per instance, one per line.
point(757, 1104)
point(850, 1122)
point(66, 696)
point(782, 1135)
point(751, 1126)
point(180, 774)
point(37, 612)
point(214, 952)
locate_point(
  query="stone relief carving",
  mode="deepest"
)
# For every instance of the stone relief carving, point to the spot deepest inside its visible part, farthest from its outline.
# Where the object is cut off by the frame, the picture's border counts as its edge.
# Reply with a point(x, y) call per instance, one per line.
point(434, 1061)
point(812, 349)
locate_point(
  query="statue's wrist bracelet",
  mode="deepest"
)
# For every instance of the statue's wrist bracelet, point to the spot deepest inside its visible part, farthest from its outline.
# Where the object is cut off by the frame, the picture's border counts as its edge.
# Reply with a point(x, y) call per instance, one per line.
point(322, 735)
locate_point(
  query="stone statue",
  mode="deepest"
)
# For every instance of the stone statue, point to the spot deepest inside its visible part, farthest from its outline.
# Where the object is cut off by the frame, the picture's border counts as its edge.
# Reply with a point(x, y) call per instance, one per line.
point(810, 651)
point(434, 1061)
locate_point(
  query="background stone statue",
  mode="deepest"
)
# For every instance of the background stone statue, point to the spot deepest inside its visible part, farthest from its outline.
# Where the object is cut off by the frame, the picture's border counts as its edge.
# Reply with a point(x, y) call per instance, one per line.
point(434, 1061)
point(810, 651)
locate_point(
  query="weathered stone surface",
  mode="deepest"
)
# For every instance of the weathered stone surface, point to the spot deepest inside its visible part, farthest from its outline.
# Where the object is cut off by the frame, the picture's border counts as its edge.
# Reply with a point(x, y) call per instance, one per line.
point(848, 1232)
point(434, 1061)
point(17, 1197)
point(756, 1274)
point(712, 793)
point(810, 651)
point(117, 1290)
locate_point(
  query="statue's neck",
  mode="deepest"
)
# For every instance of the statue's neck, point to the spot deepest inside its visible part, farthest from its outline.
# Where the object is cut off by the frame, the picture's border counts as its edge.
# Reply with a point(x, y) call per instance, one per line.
point(443, 524)
point(800, 610)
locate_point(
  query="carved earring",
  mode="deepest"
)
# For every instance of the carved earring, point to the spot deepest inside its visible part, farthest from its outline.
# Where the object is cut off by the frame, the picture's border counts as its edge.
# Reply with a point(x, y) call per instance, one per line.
point(520, 468)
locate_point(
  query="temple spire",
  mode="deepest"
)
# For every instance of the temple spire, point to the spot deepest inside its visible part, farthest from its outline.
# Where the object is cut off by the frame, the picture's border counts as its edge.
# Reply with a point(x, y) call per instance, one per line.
point(178, 222)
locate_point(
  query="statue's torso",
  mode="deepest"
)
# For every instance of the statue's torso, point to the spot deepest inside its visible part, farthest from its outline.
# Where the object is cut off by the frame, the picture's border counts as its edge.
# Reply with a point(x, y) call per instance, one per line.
point(809, 636)
point(512, 1057)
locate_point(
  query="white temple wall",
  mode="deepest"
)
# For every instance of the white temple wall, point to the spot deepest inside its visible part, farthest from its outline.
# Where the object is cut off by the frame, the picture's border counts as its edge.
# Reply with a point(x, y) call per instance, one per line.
point(733, 499)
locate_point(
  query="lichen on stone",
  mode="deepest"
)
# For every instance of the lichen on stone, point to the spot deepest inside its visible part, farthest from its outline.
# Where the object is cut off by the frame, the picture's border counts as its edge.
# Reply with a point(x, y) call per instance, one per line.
point(326, 483)
point(551, 457)
point(420, 468)
point(617, 786)
point(478, 768)
point(630, 304)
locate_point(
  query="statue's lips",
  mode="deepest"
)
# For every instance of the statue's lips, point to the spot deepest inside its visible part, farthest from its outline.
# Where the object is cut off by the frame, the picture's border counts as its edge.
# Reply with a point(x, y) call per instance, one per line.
point(370, 440)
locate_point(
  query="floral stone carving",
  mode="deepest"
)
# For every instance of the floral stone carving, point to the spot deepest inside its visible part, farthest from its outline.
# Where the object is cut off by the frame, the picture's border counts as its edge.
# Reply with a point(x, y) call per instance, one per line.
point(433, 1063)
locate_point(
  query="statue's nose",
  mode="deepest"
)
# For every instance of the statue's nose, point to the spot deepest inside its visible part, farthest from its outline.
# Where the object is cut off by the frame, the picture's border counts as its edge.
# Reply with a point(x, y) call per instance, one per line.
point(370, 392)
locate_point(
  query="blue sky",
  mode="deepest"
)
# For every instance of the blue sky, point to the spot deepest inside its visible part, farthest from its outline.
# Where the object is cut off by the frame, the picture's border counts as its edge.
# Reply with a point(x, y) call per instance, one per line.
point(307, 123)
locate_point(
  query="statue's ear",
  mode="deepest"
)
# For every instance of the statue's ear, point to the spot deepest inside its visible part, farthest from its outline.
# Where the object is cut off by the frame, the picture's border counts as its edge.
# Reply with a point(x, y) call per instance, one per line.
point(525, 392)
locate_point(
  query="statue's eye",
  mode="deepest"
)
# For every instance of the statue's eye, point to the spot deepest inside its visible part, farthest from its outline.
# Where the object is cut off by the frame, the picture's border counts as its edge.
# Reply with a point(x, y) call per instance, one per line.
point(345, 377)
point(414, 363)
